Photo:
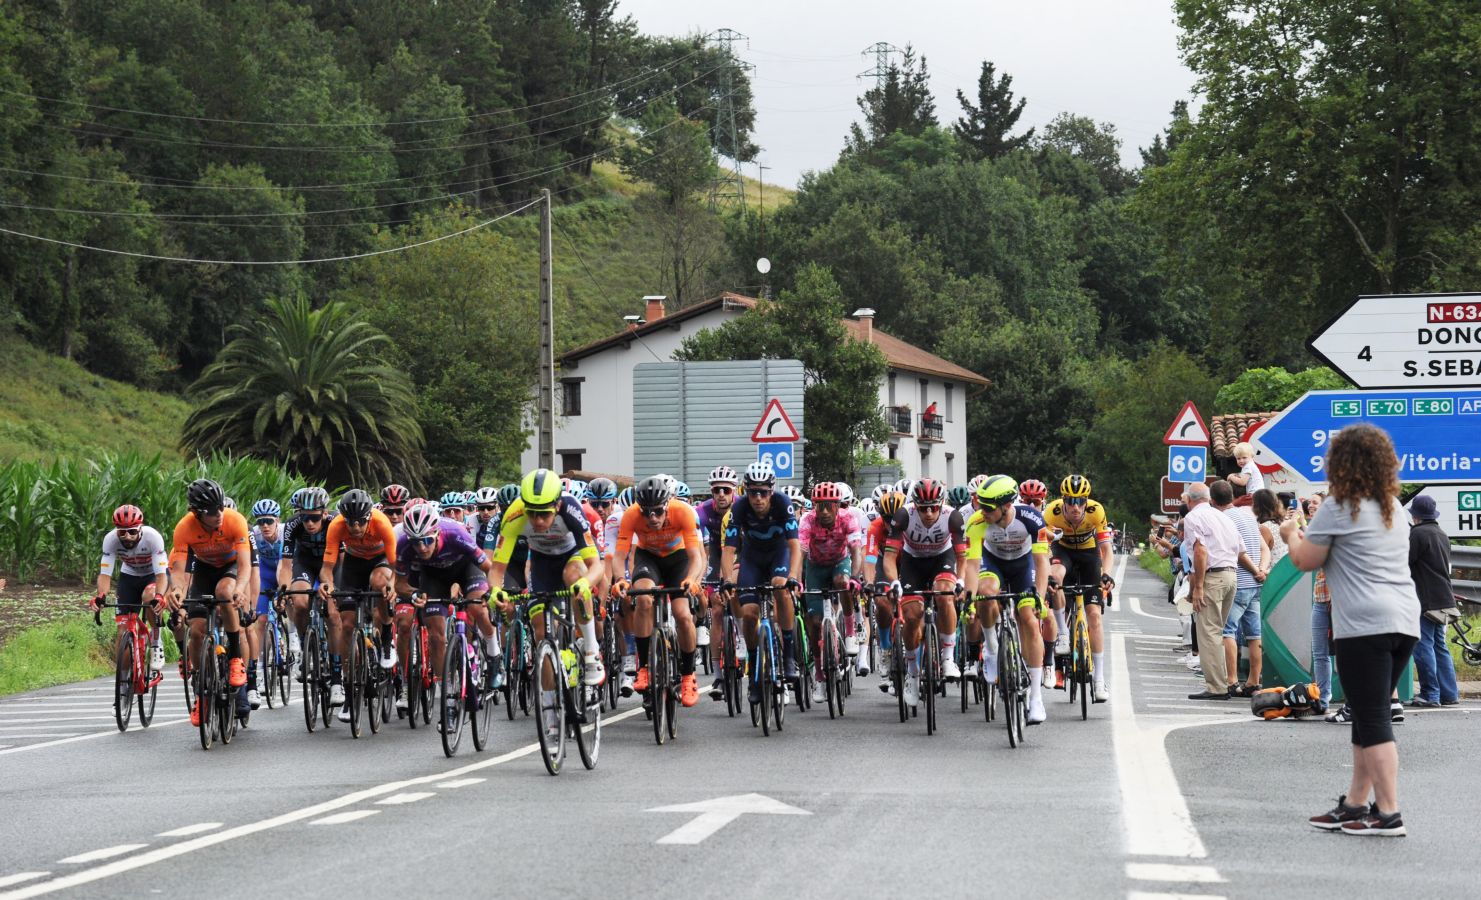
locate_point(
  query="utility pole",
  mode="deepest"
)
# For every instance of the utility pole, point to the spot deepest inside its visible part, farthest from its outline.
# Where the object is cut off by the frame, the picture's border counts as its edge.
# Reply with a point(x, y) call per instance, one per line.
point(547, 339)
point(761, 197)
point(882, 51)
point(729, 184)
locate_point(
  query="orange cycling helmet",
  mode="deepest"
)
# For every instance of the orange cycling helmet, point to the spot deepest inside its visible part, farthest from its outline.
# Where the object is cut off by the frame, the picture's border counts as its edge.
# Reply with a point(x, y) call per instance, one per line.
point(128, 516)
point(826, 492)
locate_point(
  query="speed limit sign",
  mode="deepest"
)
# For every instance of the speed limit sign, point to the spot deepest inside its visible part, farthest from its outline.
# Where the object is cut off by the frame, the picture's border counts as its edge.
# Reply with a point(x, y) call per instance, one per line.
point(1186, 464)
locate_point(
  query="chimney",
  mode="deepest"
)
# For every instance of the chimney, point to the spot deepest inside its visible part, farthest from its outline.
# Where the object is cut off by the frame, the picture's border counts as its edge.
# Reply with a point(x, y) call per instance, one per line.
point(653, 307)
point(866, 315)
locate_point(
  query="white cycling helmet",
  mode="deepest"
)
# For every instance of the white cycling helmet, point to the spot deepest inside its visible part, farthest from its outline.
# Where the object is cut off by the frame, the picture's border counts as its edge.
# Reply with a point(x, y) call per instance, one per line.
point(421, 521)
point(867, 506)
point(723, 475)
point(879, 491)
point(485, 496)
point(846, 493)
point(760, 472)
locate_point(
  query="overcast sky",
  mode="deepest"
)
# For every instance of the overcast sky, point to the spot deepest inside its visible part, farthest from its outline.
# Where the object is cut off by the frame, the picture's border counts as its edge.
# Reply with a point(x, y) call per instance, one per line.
point(1112, 61)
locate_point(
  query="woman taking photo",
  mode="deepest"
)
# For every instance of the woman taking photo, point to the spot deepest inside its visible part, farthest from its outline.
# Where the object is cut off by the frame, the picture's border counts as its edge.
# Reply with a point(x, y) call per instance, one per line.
point(1360, 538)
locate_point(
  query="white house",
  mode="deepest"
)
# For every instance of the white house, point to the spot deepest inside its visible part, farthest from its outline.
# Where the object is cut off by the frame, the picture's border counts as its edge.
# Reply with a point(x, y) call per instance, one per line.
point(594, 392)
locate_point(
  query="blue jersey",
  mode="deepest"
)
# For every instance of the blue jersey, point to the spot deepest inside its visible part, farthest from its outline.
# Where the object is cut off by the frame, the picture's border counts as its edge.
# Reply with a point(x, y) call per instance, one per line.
point(764, 534)
point(269, 553)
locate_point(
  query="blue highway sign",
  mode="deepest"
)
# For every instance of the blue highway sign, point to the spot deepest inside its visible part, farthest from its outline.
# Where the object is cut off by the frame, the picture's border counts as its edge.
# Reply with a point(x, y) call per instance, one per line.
point(1436, 433)
point(1186, 463)
point(780, 455)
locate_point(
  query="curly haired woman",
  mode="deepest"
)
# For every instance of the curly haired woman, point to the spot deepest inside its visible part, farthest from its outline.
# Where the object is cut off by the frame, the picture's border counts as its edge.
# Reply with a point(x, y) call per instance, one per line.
point(1360, 538)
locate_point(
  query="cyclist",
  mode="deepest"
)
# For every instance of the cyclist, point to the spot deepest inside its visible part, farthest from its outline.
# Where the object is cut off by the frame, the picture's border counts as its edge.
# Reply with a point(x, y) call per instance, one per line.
point(762, 547)
point(889, 504)
point(925, 545)
point(710, 516)
point(831, 547)
point(138, 552)
point(303, 558)
point(1008, 552)
point(267, 544)
point(1034, 493)
point(1082, 555)
point(452, 506)
point(609, 502)
point(562, 555)
point(850, 505)
point(394, 500)
point(369, 543)
point(435, 555)
point(659, 537)
point(216, 537)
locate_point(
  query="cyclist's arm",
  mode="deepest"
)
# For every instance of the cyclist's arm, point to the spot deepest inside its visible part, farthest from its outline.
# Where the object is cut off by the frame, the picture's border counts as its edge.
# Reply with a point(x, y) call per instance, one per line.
point(794, 558)
point(105, 568)
point(334, 534)
point(246, 571)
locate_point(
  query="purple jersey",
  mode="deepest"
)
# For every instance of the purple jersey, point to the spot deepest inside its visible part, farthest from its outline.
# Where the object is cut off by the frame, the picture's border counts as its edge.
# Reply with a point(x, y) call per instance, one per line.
point(455, 547)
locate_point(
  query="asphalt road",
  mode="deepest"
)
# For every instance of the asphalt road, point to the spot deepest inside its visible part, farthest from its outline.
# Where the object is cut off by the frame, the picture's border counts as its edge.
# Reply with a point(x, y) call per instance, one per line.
point(1153, 796)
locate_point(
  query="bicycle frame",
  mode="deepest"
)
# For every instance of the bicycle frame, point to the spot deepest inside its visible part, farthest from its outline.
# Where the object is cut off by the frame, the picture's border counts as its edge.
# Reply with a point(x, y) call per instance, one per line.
point(135, 635)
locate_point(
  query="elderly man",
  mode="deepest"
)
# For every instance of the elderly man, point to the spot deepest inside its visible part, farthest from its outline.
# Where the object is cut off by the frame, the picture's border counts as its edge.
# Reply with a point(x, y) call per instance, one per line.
point(1244, 620)
point(1429, 565)
point(1216, 548)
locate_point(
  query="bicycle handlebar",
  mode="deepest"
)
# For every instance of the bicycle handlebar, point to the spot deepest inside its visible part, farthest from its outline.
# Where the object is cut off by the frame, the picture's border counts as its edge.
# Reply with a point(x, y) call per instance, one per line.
point(659, 591)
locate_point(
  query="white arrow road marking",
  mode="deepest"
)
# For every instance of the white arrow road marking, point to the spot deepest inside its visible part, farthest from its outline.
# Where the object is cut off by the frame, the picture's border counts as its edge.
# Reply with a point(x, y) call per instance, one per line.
point(717, 813)
point(409, 797)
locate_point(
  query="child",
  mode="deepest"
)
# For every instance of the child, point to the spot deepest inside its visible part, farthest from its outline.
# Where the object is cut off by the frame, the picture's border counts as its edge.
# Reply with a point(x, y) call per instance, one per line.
point(1249, 474)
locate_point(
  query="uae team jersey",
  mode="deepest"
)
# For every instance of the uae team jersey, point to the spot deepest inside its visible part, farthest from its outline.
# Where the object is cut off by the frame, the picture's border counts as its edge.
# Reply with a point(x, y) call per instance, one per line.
point(146, 557)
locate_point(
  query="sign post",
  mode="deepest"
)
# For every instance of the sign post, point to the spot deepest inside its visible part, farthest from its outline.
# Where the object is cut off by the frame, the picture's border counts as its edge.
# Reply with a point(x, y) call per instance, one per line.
point(775, 426)
point(1408, 341)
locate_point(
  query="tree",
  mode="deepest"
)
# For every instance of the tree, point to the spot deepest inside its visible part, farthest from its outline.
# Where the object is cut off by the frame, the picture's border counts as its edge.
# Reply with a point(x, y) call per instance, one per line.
point(1272, 388)
point(902, 102)
point(1165, 143)
point(1097, 144)
point(841, 396)
point(309, 389)
point(984, 129)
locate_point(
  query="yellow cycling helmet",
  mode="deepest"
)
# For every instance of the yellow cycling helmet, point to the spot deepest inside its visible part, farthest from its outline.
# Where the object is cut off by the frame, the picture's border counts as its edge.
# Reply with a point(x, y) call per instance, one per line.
point(891, 503)
point(996, 491)
point(1077, 486)
point(541, 489)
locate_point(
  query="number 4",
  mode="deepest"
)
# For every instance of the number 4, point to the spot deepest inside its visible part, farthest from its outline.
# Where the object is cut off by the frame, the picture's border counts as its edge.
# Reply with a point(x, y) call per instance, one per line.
point(1366, 354)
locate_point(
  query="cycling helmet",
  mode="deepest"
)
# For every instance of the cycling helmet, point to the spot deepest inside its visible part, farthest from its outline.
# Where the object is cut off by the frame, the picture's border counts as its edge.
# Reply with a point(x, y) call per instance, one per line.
point(959, 497)
point(128, 516)
point(903, 486)
point(414, 501)
point(601, 489)
point(228, 503)
point(760, 472)
point(451, 498)
point(355, 506)
point(314, 498)
point(927, 492)
point(891, 503)
point(508, 494)
point(653, 492)
point(204, 494)
point(1033, 489)
point(625, 499)
point(845, 493)
point(976, 482)
point(826, 491)
point(296, 499)
point(470, 500)
point(421, 521)
point(996, 491)
point(879, 491)
point(541, 489)
point(723, 475)
point(1074, 486)
point(485, 496)
point(577, 488)
point(868, 507)
point(266, 507)
point(793, 493)
point(682, 491)
point(394, 495)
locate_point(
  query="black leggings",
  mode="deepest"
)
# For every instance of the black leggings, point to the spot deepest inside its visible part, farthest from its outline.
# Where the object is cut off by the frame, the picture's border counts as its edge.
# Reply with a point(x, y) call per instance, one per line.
point(1370, 667)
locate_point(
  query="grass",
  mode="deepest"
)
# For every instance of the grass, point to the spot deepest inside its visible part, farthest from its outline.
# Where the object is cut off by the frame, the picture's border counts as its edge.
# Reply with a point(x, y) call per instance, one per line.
point(52, 407)
point(72, 649)
point(1464, 671)
point(1156, 565)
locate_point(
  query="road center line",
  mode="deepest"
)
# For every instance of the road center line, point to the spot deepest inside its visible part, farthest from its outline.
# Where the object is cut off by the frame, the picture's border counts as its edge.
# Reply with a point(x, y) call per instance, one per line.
point(18, 877)
point(461, 782)
point(87, 737)
point(188, 830)
point(1168, 872)
point(408, 797)
point(105, 853)
point(348, 816)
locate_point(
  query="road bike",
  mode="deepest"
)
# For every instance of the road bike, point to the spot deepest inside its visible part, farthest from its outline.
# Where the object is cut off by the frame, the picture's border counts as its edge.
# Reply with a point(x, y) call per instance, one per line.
point(131, 676)
point(699, 610)
point(313, 670)
point(565, 700)
point(277, 660)
point(612, 646)
point(802, 684)
point(517, 664)
point(894, 658)
point(1079, 666)
point(212, 674)
point(971, 687)
point(366, 684)
point(1013, 677)
point(1469, 648)
point(933, 684)
point(833, 664)
point(661, 699)
point(465, 692)
point(417, 680)
point(765, 674)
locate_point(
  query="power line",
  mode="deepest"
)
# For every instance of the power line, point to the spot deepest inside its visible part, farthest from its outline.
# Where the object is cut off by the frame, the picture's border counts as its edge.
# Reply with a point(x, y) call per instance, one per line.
point(596, 284)
point(882, 51)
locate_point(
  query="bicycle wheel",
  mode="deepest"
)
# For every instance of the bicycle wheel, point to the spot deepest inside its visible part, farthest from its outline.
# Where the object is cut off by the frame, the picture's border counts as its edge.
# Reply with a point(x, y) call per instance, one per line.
point(548, 671)
point(376, 694)
point(412, 678)
point(146, 699)
point(313, 672)
point(284, 664)
point(1082, 667)
point(482, 700)
point(897, 669)
point(829, 656)
point(123, 681)
point(804, 664)
point(589, 735)
point(930, 674)
point(671, 695)
point(764, 681)
point(205, 690)
point(612, 659)
point(1008, 681)
point(264, 662)
point(225, 701)
point(731, 671)
point(658, 684)
point(354, 675)
point(778, 694)
point(968, 685)
point(451, 708)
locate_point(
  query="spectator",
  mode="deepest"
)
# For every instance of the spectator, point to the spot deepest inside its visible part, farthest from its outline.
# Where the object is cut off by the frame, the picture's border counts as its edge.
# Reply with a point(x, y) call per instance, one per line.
point(1254, 564)
point(1248, 476)
point(1270, 513)
point(1216, 548)
point(930, 417)
point(1361, 539)
point(1429, 564)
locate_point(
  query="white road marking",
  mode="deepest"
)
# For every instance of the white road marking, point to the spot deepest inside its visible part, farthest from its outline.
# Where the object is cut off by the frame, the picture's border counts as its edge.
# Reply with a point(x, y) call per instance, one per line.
point(18, 877)
point(1147, 895)
point(31, 731)
point(721, 811)
point(95, 689)
point(105, 853)
point(461, 782)
point(409, 797)
point(88, 737)
point(172, 851)
point(1168, 872)
point(341, 818)
point(188, 830)
point(33, 721)
point(1202, 710)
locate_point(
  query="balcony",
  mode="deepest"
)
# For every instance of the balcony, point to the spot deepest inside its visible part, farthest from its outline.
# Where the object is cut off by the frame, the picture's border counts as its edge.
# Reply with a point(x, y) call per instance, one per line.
point(931, 430)
point(898, 418)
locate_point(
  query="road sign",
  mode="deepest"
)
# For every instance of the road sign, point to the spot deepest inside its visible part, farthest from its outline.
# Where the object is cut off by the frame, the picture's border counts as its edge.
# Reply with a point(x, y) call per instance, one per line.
point(775, 426)
point(1187, 428)
point(1459, 508)
point(1437, 434)
point(780, 456)
point(1408, 341)
point(717, 813)
point(1172, 493)
point(1186, 464)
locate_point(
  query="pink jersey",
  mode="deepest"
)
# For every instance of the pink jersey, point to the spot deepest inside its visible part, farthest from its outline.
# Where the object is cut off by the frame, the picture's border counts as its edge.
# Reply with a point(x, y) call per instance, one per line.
point(826, 546)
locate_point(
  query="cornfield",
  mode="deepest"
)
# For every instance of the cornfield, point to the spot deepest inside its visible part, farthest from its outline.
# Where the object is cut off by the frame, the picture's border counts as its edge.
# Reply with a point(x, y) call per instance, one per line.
point(53, 515)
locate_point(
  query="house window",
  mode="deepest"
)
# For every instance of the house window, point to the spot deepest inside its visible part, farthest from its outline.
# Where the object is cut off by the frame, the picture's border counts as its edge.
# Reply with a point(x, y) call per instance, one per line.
point(571, 459)
point(923, 383)
point(892, 451)
point(892, 389)
point(948, 477)
point(571, 396)
point(949, 393)
point(925, 462)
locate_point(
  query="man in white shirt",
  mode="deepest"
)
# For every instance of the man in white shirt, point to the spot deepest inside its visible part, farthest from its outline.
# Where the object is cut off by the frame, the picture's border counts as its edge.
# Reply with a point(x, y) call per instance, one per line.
point(1216, 548)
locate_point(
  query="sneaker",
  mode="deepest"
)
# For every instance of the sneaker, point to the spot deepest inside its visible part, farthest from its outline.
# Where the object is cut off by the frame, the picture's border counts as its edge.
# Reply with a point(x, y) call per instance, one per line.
point(688, 690)
point(593, 672)
point(1193, 662)
point(156, 659)
point(237, 676)
point(850, 646)
point(950, 671)
point(819, 692)
point(1340, 716)
point(344, 712)
point(1455, 702)
point(912, 691)
point(1421, 703)
point(1396, 712)
point(401, 705)
point(630, 665)
point(640, 683)
point(970, 669)
point(1036, 713)
point(1062, 643)
point(388, 658)
point(1099, 693)
point(496, 678)
point(295, 646)
point(791, 672)
point(702, 636)
point(627, 684)
point(336, 695)
point(1339, 815)
point(195, 713)
point(861, 667)
point(717, 690)
point(887, 687)
point(1377, 825)
point(254, 699)
point(1048, 678)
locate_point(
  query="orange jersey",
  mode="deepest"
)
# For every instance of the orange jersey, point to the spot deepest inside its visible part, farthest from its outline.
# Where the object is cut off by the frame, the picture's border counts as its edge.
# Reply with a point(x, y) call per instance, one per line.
point(874, 539)
point(214, 548)
point(679, 531)
point(378, 539)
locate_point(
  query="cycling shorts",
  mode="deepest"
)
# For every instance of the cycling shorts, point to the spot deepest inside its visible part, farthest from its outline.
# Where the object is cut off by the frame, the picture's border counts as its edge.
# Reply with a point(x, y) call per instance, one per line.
point(921, 572)
point(664, 571)
point(818, 576)
point(355, 571)
point(1080, 567)
point(757, 570)
point(1012, 575)
point(548, 571)
point(204, 580)
point(437, 584)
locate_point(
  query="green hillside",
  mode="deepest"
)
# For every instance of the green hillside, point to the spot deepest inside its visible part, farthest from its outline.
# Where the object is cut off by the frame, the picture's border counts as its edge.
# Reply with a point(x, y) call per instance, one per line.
point(51, 406)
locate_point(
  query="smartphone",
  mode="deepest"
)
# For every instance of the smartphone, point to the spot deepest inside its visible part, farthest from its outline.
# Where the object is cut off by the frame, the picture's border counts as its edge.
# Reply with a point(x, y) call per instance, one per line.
point(1291, 504)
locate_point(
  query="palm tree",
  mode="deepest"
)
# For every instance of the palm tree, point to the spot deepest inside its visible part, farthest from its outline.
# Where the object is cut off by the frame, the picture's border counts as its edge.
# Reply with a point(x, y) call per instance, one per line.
point(306, 387)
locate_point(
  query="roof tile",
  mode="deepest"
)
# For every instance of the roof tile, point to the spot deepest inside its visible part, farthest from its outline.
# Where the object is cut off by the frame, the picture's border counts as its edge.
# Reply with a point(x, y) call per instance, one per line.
point(1227, 430)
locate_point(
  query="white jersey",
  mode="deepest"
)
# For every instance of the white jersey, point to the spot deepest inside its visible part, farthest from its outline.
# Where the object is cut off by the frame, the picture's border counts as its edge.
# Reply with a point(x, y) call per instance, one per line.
point(920, 540)
point(146, 557)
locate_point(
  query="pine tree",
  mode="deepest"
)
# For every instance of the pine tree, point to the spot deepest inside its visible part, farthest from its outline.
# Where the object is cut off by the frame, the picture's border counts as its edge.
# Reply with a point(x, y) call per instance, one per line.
point(903, 102)
point(986, 127)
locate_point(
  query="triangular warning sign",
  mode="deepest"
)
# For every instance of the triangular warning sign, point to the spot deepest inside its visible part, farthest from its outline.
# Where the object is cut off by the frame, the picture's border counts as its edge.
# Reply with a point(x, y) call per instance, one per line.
point(775, 426)
point(1187, 428)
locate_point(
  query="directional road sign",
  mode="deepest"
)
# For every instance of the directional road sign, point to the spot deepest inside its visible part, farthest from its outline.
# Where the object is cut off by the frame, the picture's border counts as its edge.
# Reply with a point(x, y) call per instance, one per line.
point(1186, 464)
point(1409, 341)
point(780, 455)
point(1187, 428)
point(775, 426)
point(1459, 508)
point(1437, 434)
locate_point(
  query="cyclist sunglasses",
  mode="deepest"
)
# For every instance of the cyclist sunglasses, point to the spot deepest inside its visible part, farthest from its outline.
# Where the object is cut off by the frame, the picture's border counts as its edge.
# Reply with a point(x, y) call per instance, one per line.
point(425, 541)
point(1076, 501)
point(266, 520)
point(487, 508)
point(394, 510)
point(602, 504)
point(758, 492)
point(721, 490)
point(128, 532)
point(655, 513)
point(313, 517)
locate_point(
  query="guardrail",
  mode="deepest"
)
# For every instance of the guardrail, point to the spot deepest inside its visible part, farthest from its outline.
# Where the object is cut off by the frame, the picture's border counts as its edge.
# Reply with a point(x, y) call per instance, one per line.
point(1466, 561)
